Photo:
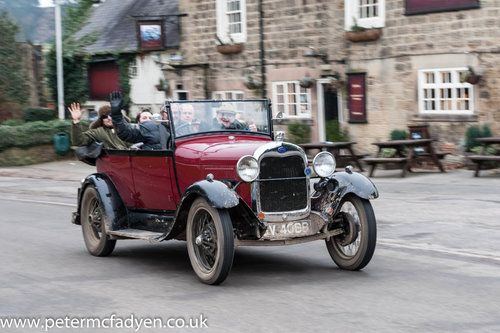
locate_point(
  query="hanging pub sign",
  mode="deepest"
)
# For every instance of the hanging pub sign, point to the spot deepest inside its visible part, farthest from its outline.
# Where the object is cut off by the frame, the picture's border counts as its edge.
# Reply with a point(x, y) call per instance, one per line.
point(356, 91)
point(150, 35)
point(428, 6)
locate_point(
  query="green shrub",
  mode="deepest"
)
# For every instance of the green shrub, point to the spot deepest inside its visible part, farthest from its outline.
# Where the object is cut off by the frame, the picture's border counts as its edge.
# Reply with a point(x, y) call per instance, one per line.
point(13, 122)
point(486, 131)
point(39, 114)
point(399, 135)
point(299, 132)
point(474, 132)
point(334, 131)
point(31, 134)
point(491, 150)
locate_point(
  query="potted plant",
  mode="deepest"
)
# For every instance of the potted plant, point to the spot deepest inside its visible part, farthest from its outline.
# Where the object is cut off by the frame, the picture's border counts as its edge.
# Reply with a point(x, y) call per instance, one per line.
point(252, 83)
point(228, 48)
point(306, 81)
point(362, 34)
point(162, 85)
point(471, 76)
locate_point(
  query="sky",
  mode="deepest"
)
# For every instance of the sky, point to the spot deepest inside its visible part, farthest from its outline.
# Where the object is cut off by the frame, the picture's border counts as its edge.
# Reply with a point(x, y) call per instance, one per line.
point(45, 3)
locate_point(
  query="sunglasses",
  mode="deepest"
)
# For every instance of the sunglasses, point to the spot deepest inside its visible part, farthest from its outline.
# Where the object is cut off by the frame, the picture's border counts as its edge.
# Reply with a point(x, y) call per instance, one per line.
point(105, 116)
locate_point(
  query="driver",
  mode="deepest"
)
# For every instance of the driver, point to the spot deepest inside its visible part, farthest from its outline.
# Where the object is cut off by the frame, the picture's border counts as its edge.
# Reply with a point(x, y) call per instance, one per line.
point(225, 118)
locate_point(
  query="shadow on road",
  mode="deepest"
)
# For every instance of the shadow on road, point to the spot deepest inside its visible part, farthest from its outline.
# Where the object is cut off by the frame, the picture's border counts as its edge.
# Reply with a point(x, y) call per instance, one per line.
point(251, 265)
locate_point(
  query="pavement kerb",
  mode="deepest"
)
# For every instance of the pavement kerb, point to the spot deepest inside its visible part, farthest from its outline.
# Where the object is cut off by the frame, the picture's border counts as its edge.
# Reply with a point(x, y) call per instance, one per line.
point(75, 170)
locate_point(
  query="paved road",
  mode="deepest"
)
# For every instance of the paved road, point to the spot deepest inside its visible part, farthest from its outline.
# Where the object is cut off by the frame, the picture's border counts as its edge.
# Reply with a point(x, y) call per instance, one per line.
point(436, 267)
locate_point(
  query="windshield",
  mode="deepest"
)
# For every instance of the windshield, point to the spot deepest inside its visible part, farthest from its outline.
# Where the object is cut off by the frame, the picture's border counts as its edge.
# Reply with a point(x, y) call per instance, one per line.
point(191, 117)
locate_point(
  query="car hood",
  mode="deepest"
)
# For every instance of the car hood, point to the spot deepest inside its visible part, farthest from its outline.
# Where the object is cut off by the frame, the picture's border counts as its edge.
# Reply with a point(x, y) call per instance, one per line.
point(220, 153)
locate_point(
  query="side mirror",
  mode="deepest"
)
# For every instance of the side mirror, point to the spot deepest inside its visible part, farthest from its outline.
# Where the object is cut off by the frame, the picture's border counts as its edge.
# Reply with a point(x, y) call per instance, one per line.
point(279, 117)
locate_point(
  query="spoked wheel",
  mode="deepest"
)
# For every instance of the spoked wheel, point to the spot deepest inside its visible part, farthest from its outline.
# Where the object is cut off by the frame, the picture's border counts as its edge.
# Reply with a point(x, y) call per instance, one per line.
point(354, 249)
point(210, 242)
point(96, 240)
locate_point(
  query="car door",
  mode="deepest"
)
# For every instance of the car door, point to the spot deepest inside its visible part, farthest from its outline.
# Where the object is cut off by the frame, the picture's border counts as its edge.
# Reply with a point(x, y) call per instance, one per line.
point(154, 180)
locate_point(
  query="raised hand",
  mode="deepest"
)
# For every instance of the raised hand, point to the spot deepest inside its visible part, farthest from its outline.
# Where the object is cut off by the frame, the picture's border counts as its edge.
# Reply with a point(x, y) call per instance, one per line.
point(76, 112)
point(116, 101)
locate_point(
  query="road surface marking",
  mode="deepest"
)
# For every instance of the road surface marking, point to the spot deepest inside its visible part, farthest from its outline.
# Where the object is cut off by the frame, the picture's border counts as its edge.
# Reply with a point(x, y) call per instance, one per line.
point(39, 201)
point(434, 248)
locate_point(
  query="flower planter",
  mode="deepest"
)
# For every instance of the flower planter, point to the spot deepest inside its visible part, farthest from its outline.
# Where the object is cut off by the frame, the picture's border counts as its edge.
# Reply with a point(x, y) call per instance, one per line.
point(473, 79)
point(252, 84)
point(306, 82)
point(230, 48)
point(363, 36)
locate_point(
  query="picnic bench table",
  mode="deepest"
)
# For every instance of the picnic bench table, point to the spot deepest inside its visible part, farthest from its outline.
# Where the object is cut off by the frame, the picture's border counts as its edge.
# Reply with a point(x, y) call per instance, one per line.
point(480, 159)
point(342, 151)
point(404, 154)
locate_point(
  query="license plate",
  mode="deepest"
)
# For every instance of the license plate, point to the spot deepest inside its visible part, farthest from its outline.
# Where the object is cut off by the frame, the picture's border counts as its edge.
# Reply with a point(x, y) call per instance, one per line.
point(293, 229)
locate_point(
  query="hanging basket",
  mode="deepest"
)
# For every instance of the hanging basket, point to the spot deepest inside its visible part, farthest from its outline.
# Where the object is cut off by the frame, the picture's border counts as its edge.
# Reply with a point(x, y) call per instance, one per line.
point(252, 84)
point(473, 79)
point(306, 82)
point(363, 36)
point(230, 48)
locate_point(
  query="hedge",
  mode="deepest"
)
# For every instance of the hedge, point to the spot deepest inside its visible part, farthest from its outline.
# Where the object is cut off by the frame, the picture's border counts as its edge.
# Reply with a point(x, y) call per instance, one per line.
point(39, 114)
point(32, 134)
point(299, 132)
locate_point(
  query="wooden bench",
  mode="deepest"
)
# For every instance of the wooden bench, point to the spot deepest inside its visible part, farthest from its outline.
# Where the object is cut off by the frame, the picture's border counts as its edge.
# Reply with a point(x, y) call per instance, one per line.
point(373, 161)
point(343, 152)
point(480, 159)
point(344, 159)
point(404, 154)
point(439, 154)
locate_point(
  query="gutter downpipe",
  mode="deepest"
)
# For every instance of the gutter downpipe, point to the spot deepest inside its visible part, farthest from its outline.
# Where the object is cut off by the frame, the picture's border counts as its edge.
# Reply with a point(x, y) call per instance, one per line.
point(261, 44)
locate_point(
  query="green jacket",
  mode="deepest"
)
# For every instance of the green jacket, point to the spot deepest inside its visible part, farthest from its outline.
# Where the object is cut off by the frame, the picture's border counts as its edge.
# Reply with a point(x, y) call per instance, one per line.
point(107, 136)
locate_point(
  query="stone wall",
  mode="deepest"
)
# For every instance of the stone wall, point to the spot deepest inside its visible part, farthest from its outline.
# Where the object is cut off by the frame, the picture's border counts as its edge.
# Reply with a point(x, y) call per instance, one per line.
point(407, 44)
point(437, 40)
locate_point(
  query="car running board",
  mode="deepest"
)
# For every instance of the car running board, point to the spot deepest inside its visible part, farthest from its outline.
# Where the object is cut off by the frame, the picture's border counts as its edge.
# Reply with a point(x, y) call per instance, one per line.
point(137, 234)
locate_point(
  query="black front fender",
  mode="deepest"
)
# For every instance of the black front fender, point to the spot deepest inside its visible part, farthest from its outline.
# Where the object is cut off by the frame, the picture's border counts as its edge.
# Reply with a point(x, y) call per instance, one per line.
point(115, 212)
point(330, 191)
point(217, 194)
point(355, 183)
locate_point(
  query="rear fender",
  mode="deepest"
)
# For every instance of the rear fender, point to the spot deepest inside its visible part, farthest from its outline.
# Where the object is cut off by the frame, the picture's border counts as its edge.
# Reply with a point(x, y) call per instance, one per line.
point(115, 211)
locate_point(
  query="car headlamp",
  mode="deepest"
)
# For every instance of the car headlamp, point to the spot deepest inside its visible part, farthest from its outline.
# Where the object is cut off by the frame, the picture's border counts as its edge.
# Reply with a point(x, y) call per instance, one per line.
point(324, 164)
point(247, 168)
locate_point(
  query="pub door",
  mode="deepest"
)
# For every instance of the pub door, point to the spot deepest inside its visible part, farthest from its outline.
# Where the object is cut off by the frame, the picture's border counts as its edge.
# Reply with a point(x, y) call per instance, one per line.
point(331, 103)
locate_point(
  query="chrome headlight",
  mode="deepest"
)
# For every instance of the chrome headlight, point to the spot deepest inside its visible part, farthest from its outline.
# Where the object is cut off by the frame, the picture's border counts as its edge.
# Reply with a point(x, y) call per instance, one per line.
point(247, 168)
point(324, 164)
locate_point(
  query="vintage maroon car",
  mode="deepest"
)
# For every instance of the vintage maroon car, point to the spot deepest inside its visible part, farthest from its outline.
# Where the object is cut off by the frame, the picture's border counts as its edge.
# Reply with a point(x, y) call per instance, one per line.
point(223, 181)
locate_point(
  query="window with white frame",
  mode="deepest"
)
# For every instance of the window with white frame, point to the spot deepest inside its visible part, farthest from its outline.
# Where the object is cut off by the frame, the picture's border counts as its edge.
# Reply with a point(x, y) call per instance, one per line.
point(132, 69)
point(291, 99)
point(364, 13)
point(227, 94)
point(440, 91)
point(231, 21)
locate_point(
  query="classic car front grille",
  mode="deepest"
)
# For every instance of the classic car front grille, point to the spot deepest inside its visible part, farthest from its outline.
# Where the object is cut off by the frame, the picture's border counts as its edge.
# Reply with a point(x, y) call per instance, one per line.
point(278, 194)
